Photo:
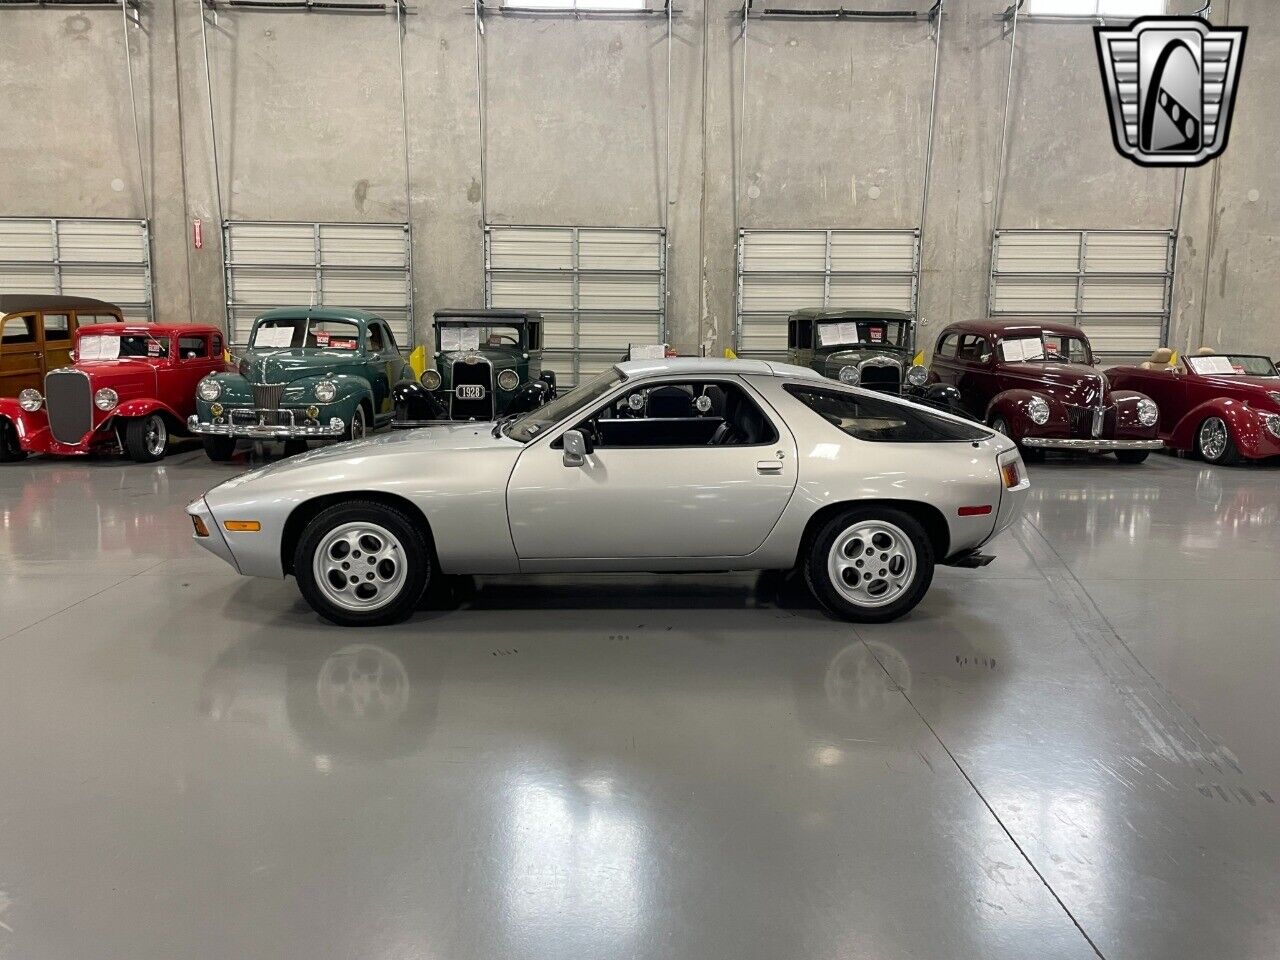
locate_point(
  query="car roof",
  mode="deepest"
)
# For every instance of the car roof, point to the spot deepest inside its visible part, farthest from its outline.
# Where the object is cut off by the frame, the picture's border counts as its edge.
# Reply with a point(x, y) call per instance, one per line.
point(320, 313)
point(486, 313)
point(713, 366)
point(1006, 326)
point(155, 329)
point(815, 313)
point(21, 302)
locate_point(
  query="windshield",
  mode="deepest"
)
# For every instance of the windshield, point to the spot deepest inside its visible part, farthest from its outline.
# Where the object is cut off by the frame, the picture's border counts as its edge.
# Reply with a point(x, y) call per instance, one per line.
point(549, 414)
point(848, 333)
point(452, 338)
point(1046, 347)
point(113, 346)
point(1232, 364)
point(283, 333)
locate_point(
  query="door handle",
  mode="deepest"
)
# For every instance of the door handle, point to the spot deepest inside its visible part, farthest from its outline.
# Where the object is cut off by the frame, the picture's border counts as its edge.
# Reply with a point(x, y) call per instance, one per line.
point(768, 466)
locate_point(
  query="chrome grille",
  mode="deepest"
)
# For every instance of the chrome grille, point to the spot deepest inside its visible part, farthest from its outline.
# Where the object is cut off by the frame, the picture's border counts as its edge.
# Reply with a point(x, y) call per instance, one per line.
point(1087, 423)
point(68, 399)
point(266, 396)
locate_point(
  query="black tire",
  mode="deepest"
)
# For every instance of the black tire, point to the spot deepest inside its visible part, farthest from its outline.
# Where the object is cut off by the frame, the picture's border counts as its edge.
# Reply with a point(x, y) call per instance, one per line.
point(1227, 455)
point(146, 439)
point(295, 446)
point(10, 450)
point(358, 425)
point(1132, 456)
point(835, 599)
point(414, 553)
point(1029, 454)
point(219, 449)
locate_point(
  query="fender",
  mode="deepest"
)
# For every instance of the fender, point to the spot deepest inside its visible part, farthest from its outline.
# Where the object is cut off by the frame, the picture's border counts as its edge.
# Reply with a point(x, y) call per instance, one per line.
point(1012, 405)
point(32, 428)
point(144, 406)
point(413, 402)
point(1242, 420)
point(531, 396)
point(1127, 424)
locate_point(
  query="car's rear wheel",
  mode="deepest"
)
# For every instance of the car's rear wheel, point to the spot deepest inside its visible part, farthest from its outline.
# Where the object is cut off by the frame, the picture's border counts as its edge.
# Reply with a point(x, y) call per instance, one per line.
point(10, 450)
point(870, 564)
point(220, 449)
point(1132, 456)
point(362, 564)
point(1214, 443)
point(146, 439)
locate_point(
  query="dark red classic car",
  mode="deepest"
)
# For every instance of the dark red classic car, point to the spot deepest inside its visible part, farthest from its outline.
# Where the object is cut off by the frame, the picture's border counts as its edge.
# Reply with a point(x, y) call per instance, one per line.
point(1035, 382)
point(131, 386)
point(1225, 407)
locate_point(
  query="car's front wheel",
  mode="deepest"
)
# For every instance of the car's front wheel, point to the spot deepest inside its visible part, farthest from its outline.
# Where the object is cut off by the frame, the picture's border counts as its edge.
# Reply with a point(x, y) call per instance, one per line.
point(219, 449)
point(1029, 454)
point(358, 426)
point(1132, 456)
point(10, 450)
point(1214, 443)
point(362, 564)
point(870, 564)
point(146, 439)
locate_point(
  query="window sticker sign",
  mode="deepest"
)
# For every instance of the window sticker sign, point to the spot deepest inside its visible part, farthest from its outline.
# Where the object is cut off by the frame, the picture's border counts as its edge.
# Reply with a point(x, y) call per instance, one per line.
point(1024, 348)
point(273, 337)
point(99, 348)
point(454, 339)
point(1207, 366)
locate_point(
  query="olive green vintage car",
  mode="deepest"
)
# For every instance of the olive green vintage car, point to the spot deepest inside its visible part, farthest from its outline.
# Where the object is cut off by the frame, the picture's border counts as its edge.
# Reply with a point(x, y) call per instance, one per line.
point(486, 364)
point(309, 373)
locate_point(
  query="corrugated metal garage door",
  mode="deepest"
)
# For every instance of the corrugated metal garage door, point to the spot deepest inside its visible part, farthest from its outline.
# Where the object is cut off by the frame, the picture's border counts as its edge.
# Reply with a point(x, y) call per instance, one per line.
point(275, 264)
point(780, 271)
point(1115, 284)
point(600, 289)
point(91, 257)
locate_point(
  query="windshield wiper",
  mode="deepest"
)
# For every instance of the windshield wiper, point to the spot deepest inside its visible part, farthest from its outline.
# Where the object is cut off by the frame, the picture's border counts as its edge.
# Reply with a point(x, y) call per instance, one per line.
point(497, 427)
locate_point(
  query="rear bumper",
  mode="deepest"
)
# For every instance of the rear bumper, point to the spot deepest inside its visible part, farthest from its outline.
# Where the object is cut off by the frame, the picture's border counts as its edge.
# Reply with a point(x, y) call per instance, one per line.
point(1061, 443)
point(253, 431)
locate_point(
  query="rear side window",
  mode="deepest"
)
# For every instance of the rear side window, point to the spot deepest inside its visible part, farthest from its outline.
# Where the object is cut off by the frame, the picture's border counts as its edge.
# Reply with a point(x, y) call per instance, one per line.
point(876, 419)
point(947, 345)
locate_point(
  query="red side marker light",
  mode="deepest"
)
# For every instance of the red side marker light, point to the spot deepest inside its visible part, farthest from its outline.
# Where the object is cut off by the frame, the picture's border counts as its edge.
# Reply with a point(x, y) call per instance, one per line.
point(975, 511)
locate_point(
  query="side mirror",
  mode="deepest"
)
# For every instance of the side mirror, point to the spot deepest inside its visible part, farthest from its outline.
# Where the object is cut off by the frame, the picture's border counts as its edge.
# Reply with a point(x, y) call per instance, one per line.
point(576, 448)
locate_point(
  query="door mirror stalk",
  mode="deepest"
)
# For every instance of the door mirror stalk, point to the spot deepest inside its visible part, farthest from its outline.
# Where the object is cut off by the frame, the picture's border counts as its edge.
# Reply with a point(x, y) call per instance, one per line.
point(576, 448)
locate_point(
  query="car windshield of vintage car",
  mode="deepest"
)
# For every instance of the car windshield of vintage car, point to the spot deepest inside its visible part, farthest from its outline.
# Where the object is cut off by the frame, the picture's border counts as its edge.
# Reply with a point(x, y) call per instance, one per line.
point(1232, 365)
point(110, 347)
point(1058, 346)
point(454, 338)
point(295, 332)
point(549, 414)
point(851, 333)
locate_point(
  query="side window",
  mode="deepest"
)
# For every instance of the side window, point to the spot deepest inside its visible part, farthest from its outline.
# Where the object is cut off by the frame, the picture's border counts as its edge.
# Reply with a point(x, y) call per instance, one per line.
point(375, 338)
point(19, 330)
point(947, 345)
point(84, 319)
point(791, 335)
point(217, 345)
point(804, 335)
point(879, 420)
point(389, 339)
point(681, 414)
point(974, 348)
point(535, 336)
point(57, 327)
point(192, 348)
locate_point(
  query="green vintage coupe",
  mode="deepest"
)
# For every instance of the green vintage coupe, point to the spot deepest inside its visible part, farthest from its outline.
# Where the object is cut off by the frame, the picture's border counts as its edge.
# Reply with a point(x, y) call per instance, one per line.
point(486, 364)
point(309, 373)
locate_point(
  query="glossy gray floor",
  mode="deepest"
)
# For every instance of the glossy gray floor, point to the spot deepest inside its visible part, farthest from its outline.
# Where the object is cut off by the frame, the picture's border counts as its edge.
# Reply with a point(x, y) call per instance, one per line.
point(1070, 753)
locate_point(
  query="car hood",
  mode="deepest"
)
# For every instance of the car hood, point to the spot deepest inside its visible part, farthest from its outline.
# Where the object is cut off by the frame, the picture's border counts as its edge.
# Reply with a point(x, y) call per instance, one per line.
point(1252, 387)
point(1073, 383)
point(281, 366)
point(128, 378)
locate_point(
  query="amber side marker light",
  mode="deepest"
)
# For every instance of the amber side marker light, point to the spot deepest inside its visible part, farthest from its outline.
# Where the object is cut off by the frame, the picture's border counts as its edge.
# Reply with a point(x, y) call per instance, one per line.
point(975, 511)
point(1012, 476)
point(201, 529)
point(242, 526)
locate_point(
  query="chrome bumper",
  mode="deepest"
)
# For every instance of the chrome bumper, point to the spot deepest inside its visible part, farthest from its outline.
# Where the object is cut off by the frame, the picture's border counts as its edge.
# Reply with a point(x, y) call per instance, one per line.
point(253, 431)
point(1054, 443)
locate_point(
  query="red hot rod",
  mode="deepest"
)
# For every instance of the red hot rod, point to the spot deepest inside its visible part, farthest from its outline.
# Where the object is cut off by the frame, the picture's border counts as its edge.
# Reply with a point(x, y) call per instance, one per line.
point(1225, 407)
point(131, 386)
point(1036, 383)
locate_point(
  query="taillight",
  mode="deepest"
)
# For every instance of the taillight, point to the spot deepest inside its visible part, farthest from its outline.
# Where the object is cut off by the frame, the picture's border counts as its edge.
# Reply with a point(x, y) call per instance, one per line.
point(1012, 473)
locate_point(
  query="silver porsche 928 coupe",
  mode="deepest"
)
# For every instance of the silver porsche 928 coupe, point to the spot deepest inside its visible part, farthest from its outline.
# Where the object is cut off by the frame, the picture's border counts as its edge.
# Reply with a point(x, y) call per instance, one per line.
point(666, 465)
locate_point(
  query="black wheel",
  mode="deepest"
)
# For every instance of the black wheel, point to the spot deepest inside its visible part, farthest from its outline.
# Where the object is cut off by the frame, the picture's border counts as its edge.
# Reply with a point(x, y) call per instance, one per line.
point(10, 450)
point(1132, 456)
point(870, 564)
point(146, 439)
point(1214, 443)
point(220, 449)
point(295, 446)
point(1029, 454)
point(362, 564)
point(358, 425)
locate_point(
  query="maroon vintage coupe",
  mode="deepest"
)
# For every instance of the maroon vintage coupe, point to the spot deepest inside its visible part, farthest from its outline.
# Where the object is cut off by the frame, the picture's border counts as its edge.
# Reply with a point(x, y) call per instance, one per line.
point(1036, 383)
point(1225, 407)
point(132, 385)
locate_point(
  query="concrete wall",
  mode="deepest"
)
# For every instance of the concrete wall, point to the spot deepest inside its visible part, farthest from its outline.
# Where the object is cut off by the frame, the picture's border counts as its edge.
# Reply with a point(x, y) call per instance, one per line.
point(308, 125)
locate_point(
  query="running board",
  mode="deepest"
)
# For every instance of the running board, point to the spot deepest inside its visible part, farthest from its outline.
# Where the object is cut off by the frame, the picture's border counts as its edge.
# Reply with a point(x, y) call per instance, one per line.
point(970, 560)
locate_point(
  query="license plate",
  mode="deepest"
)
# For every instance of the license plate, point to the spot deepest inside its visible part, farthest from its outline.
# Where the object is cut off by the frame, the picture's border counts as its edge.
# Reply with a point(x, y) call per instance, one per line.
point(470, 391)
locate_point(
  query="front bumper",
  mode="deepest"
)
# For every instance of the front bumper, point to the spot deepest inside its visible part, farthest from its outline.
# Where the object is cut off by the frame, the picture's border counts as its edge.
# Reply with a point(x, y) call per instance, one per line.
point(1062, 443)
point(254, 431)
point(215, 542)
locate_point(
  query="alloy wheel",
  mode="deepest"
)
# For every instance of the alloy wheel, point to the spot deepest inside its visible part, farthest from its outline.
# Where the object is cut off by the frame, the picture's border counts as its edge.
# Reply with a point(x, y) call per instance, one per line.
point(360, 566)
point(157, 436)
point(1213, 439)
point(872, 563)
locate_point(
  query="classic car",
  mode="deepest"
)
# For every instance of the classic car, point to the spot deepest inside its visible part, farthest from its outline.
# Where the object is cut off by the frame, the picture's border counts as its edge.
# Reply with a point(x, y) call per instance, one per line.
point(1036, 382)
point(36, 331)
point(486, 364)
point(1225, 407)
point(874, 349)
point(131, 387)
point(755, 466)
point(308, 373)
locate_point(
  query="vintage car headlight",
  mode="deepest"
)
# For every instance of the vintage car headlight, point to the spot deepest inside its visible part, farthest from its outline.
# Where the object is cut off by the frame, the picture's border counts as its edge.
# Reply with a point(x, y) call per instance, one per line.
point(917, 376)
point(431, 379)
point(1038, 411)
point(326, 390)
point(1273, 425)
point(850, 376)
point(209, 390)
point(30, 400)
point(508, 380)
point(106, 399)
point(1148, 412)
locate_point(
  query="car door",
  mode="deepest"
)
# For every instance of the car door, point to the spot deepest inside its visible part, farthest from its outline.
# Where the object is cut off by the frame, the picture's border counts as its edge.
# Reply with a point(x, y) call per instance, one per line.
point(685, 498)
point(976, 378)
point(385, 364)
point(20, 364)
point(57, 330)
